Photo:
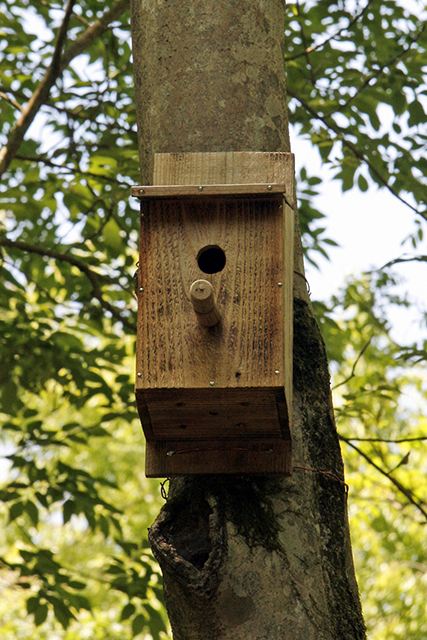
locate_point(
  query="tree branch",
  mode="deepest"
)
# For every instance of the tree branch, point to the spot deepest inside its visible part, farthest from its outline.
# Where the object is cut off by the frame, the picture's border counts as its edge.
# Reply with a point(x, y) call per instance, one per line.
point(406, 492)
point(56, 67)
point(95, 30)
point(333, 127)
point(388, 63)
point(421, 258)
point(39, 96)
point(11, 101)
point(394, 441)
point(335, 36)
point(64, 169)
point(353, 369)
point(81, 266)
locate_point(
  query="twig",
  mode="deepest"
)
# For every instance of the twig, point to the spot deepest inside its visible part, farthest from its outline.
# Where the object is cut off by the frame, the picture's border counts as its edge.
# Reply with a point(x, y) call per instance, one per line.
point(353, 369)
point(11, 101)
point(95, 30)
point(389, 440)
point(335, 36)
point(57, 66)
point(374, 76)
point(333, 127)
point(81, 266)
point(406, 492)
point(39, 96)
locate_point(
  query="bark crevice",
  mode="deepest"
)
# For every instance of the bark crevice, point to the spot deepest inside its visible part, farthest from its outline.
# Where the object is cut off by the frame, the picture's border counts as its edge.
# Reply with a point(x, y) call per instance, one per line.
point(189, 537)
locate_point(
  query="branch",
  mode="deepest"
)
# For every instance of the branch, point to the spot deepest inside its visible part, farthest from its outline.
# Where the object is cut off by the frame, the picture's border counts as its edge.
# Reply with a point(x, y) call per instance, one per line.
point(406, 492)
point(396, 441)
point(39, 96)
point(333, 127)
point(95, 30)
point(353, 369)
point(306, 49)
point(402, 259)
point(56, 67)
point(388, 63)
point(11, 101)
point(81, 266)
point(335, 36)
point(64, 169)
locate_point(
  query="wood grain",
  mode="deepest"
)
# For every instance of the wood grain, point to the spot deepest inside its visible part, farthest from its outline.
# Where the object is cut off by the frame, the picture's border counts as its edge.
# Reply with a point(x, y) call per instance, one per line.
point(267, 456)
point(148, 192)
point(198, 383)
point(246, 348)
point(243, 167)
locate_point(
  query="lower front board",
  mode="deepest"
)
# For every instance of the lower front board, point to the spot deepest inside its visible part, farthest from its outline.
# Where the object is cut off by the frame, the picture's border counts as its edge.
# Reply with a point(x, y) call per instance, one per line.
point(231, 456)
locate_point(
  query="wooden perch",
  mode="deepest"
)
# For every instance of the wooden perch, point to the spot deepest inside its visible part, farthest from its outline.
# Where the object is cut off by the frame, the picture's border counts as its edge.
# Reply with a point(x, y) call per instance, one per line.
point(203, 301)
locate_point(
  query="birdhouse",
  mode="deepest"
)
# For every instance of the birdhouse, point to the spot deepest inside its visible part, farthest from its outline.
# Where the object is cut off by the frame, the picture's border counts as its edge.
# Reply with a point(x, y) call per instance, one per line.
point(214, 342)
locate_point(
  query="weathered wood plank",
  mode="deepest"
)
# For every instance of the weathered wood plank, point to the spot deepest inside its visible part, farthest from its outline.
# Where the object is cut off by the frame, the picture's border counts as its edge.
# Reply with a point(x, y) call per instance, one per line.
point(246, 347)
point(232, 380)
point(242, 167)
point(147, 192)
point(267, 456)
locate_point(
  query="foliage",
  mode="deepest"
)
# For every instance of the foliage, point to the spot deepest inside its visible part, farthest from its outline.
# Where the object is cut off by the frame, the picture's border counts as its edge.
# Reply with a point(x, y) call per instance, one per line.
point(356, 81)
point(380, 403)
point(76, 504)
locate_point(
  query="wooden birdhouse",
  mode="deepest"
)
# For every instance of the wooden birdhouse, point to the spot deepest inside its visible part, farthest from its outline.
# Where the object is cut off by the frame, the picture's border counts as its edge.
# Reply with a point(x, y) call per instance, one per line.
point(214, 344)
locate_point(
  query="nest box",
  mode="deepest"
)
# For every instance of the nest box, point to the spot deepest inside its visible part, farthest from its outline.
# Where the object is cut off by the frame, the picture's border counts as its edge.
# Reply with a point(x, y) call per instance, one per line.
point(214, 343)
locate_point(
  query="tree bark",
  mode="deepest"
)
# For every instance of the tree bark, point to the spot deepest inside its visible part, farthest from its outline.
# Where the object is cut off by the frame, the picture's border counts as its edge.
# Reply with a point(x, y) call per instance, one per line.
point(244, 557)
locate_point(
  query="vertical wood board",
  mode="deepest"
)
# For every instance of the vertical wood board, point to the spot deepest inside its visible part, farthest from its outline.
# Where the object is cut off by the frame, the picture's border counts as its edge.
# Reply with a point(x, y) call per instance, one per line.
point(229, 167)
point(218, 394)
point(246, 347)
point(267, 456)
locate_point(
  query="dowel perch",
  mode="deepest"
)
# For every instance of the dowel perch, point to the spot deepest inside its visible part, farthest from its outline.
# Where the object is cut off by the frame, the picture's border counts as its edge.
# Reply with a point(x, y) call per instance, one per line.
point(203, 301)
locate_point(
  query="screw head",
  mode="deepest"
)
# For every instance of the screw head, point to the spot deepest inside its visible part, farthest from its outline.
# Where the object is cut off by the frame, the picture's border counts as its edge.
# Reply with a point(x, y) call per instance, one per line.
point(270, 187)
point(212, 383)
point(141, 289)
point(200, 188)
point(280, 284)
point(141, 191)
point(277, 372)
point(139, 374)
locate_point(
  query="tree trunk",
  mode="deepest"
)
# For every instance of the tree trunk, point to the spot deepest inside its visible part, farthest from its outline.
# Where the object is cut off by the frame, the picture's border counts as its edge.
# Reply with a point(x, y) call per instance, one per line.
point(244, 557)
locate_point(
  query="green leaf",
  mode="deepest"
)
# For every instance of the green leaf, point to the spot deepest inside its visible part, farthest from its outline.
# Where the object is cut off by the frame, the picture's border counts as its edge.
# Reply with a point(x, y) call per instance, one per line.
point(32, 511)
point(138, 624)
point(33, 604)
point(15, 511)
point(40, 614)
point(363, 183)
point(127, 611)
